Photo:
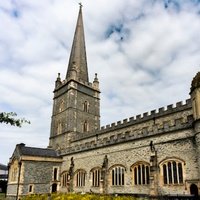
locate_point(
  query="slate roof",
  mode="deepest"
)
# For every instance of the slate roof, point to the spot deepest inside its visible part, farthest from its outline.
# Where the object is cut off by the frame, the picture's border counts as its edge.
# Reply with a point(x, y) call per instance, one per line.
point(33, 151)
point(3, 167)
point(3, 176)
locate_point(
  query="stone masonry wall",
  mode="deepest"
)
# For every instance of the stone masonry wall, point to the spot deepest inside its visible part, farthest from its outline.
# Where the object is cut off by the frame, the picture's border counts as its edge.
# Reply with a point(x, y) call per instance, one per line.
point(127, 143)
point(177, 145)
point(39, 174)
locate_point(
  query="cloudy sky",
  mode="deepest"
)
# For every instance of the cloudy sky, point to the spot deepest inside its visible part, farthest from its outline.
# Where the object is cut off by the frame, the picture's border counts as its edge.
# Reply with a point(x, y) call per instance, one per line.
point(145, 52)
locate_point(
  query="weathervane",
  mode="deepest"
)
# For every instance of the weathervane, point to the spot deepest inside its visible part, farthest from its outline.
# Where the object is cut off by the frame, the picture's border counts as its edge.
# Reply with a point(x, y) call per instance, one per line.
point(80, 4)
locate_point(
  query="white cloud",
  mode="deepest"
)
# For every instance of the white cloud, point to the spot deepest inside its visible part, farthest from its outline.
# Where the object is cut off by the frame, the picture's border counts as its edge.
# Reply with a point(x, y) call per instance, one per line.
point(145, 54)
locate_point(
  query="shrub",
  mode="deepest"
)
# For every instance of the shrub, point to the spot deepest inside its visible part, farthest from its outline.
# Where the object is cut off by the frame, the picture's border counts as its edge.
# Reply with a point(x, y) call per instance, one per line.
point(60, 196)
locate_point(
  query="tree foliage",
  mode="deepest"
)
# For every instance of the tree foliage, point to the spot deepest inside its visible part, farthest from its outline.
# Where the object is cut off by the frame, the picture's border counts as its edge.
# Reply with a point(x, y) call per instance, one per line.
point(10, 118)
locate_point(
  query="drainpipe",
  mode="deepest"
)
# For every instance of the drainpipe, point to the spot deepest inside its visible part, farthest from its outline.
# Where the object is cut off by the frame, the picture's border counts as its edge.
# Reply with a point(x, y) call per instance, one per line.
point(19, 173)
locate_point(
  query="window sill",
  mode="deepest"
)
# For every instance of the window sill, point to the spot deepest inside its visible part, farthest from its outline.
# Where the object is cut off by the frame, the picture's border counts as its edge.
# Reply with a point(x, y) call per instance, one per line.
point(79, 186)
point(181, 184)
point(118, 186)
point(141, 185)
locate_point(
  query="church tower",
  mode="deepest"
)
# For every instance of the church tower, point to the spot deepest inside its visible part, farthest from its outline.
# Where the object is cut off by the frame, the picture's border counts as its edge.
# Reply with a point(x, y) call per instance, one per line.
point(76, 100)
point(195, 97)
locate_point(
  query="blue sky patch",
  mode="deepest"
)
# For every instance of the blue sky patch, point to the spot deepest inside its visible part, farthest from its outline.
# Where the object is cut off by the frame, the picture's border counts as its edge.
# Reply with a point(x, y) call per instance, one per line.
point(172, 4)
point(15, 13)
point(119, 29)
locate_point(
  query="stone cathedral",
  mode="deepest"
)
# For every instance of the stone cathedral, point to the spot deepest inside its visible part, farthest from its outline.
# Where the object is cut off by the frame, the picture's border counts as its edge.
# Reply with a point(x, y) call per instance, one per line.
point(153, 154)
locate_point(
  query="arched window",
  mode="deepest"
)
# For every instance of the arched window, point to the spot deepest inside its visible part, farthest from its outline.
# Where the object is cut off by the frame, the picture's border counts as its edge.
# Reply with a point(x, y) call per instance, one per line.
point(80, 178)
point(86, 106)
point(55, 174)
point(141, 173)
point(85, 126)
point(172, 171)
point(59, 128)
point(65, 179)
point(96, 175)
point(118, 176)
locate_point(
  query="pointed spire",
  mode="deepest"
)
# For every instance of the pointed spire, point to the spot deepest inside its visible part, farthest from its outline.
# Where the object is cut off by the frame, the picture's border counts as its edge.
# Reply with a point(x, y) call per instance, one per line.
point(96, 82)
point(78, 52)
point(58, 80)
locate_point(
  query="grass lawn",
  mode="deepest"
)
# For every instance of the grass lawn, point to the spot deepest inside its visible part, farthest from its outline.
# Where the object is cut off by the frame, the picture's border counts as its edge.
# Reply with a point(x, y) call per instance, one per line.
point(2, 196)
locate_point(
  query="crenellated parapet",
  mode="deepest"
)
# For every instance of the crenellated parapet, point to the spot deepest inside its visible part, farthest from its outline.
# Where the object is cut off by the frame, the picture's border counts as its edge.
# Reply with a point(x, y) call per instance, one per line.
point(170, 109)
point(165, 120)
point(124, 136)
point(152, 116)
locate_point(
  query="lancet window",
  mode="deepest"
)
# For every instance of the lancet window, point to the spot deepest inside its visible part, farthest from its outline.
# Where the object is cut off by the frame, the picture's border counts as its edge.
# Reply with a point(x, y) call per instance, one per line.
point(86, 106)
point(55, 173)
point(85, 126)
point(59, 128)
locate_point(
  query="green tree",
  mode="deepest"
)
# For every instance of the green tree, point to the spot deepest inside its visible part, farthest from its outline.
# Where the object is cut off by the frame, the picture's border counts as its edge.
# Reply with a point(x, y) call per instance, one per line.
point(10, 118)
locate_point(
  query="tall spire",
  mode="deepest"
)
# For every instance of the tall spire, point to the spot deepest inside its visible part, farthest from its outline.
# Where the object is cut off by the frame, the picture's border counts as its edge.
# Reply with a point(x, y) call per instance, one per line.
point(78, 59)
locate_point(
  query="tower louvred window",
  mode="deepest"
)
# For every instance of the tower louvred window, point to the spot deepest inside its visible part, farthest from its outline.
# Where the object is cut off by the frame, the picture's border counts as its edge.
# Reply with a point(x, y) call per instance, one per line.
point(59, 128)
point(85, 126)
point(86, 106)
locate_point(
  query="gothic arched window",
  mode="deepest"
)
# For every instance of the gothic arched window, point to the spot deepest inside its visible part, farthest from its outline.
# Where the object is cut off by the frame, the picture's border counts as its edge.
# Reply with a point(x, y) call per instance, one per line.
point(141, 173)
point(86, 106)
point(65, 179)
point(118, 176)
point(172, 171)
point(85, 126)
point(95, 176)
point(55, 174)
point(59, 128)
point(80, 178)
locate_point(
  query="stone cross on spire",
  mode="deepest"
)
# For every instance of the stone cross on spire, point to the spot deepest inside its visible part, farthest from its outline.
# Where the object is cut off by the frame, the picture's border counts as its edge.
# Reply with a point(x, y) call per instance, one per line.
point(78, 59)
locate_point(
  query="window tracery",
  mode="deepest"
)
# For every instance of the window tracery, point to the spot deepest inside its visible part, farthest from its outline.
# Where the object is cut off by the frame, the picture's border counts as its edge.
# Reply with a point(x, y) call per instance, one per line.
point(95, 176)
point(118, 176)
point(65, 179)
point(80, 177)
point(172, 172)
point(141, 171)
